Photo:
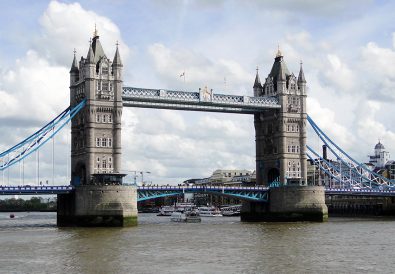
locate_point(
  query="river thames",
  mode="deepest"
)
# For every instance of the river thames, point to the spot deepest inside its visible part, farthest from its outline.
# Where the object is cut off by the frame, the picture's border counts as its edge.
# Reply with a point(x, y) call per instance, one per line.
point(31, 243)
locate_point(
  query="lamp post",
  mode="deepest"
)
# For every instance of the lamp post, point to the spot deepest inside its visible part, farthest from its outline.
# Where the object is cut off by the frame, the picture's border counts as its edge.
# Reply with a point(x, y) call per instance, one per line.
point(142, 176)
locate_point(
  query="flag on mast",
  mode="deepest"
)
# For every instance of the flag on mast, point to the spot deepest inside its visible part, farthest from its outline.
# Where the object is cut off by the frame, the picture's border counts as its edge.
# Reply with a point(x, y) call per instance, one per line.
point(183, 75)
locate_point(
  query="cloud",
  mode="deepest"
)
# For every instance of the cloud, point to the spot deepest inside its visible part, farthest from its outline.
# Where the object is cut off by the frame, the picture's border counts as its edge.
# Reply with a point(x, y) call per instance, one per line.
point(200, 70)
point(62, 23)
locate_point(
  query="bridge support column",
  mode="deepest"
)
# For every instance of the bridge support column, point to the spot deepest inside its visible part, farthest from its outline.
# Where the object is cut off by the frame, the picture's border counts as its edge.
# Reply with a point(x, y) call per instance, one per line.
point(90, 205)
point(289, 204)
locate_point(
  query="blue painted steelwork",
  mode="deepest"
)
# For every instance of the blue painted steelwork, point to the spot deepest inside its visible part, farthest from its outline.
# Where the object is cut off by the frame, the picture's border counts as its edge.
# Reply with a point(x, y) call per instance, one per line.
point(39, 190)
point(360, 192)
point(367, 177)
point(258, 194)
point(23, 149)
point(203, 100)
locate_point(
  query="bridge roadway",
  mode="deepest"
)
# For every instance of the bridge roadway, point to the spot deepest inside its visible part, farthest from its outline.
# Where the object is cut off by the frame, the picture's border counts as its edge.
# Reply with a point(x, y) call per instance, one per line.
point(257, 193)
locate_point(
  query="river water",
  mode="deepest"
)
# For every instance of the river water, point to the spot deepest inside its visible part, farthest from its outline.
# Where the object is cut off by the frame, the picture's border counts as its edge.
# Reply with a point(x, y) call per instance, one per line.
point(31, 243)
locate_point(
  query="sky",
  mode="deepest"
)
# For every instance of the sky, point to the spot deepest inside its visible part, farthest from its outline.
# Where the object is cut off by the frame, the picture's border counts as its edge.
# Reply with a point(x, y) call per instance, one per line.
point(347, 49)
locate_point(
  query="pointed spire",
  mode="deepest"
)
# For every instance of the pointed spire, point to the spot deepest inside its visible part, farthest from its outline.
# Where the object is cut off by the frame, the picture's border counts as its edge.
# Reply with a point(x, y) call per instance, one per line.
point(91, 56)
point(301, 78)
point(95, 33)
point(279, 54)
point(281, 73)
point(74, 65)
point(257, 83)
point(117, 57)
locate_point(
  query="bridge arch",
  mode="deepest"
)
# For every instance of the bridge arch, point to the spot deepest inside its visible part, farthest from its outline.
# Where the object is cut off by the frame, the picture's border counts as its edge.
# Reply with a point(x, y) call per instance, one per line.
point(273, 175)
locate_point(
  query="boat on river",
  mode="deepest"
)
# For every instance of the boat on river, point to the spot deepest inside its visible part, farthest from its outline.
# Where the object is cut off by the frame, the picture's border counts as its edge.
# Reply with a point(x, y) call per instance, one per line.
point(230, 211)
point(186, 217)
point(209, 211)
point(166, 210)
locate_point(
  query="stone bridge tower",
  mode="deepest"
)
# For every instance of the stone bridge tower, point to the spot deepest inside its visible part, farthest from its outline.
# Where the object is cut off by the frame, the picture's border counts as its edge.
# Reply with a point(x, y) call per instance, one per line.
point(96, 130)
point(281, 133)
point(281, 160)
point(99, 198)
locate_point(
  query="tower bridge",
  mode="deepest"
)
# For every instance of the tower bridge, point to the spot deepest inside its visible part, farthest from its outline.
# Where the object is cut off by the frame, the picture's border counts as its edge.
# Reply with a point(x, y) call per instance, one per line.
point(96, 195)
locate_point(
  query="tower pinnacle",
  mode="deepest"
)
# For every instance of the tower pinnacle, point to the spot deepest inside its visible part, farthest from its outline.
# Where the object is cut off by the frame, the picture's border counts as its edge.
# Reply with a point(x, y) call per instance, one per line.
point(279, 54)
point(257, 83)
point(301, 78)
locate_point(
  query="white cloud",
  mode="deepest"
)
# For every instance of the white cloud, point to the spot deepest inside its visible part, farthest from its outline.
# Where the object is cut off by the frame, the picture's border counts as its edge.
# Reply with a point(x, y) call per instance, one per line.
point(62, 23)
point(200, 70)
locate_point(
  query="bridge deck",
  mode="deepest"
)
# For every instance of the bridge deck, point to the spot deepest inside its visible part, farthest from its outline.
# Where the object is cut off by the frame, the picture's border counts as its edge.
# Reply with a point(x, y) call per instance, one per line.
point(196, 101)
point(247, 192)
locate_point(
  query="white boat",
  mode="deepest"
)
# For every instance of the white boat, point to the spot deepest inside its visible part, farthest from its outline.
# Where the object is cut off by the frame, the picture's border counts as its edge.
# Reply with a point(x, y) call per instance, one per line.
point(230, 211)
point(209, 211)
point(184, 207)
point(185, 217)
point(166, 210)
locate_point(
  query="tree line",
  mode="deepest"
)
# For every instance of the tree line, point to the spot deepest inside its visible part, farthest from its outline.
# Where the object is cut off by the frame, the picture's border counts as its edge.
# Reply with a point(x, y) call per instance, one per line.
point(34, 204)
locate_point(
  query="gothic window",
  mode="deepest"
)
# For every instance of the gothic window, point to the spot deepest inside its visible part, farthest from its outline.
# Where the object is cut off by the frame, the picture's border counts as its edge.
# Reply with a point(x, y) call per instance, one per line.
point(109, 142)
point(109, 159)
point(104, 86)
point(104, 164)
point(98, 159)
point(104, 70)
point(104, 142)
point(110, 118)
point(97, 118)
point(104, 118)
point(98, 85)
point(110, 86)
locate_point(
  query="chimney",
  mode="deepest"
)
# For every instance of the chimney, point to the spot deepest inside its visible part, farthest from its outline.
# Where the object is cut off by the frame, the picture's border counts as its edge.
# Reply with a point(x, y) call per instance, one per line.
point(324, 152)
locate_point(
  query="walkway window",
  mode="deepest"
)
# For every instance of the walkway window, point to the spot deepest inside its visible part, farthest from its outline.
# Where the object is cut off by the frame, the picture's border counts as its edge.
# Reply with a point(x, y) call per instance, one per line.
point(105, 86)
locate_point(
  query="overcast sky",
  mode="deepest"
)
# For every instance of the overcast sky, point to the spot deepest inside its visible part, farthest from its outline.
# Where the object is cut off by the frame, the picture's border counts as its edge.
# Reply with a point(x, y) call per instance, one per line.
point(347, 49)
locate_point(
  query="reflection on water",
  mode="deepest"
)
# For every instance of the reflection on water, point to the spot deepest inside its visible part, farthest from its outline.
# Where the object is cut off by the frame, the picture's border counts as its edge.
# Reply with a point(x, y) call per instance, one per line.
point(31, 243)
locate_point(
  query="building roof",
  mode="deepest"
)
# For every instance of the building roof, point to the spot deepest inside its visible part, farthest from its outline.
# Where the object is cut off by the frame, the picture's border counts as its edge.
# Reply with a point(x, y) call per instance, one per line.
point(379, 146)
point(279, 68)
point(97, 49)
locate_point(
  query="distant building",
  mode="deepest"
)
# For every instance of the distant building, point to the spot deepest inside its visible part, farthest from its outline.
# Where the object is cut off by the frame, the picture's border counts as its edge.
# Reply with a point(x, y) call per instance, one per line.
point(390, 167)
point(225, 177)
point(380, 157)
